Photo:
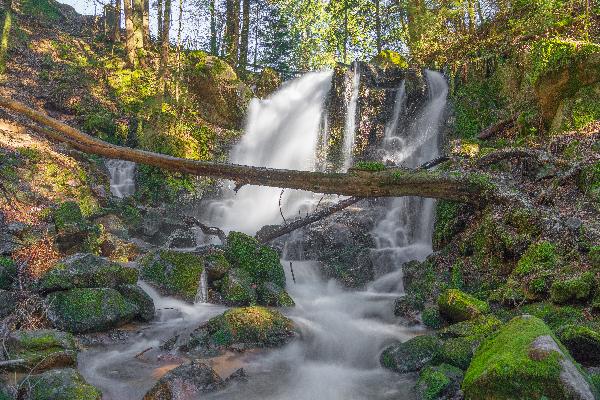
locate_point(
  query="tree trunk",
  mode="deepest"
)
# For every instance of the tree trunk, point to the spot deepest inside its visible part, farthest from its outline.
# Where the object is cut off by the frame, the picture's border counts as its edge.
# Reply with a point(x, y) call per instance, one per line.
point(138, 30)
point(5, 35)
point(378, 25)
point(345, 44)
point(117, 27)
point(245, 35)
point(129, 45)
point(146, 23)
point(394, 182)
point(232, 32)
point(159, 20)
point(165, 45)
point(214, 50)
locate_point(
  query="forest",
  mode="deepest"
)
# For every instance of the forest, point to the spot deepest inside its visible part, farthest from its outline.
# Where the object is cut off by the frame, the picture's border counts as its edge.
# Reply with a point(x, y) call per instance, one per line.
point(312, 199)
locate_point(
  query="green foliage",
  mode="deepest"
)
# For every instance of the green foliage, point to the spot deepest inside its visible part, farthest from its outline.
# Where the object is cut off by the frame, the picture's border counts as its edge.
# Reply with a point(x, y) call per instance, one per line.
point(503, 364)
point(555, 316)
point(594, 256)
point(372, 166)
point(431, 318)
point(389, 58)
point(46, 10)
point(551, 55)
point(8, 272)
point(261, 262)
point(478, 104)
point(435, 382)
point(574, 289)
point(457, 306)
point(445, 226)
point(68, 214)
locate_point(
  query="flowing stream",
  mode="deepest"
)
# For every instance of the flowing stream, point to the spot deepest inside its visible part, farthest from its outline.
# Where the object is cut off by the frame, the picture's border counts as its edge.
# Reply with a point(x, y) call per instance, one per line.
point(342, 331)
point(122, 179)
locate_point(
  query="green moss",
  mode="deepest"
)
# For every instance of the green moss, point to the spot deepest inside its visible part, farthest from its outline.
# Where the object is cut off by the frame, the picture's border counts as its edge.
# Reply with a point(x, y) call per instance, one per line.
point(431, 318)
point(445, 226)
point(261, 262)
point(176, 273)
point(432, 384)
point(582, 342)
point(594, 256)
point(250, 325)
point(46, 10)
point(538, 257)
point(8, 272)
point(86, 310)
point(457, 306)
point(478, 328)
point(478, 104)
point(412, 355)
point(68, 214)
point(574, 289)
point(553, 315)
point(372, 166)
point(458, 351)
point(237, 288)
point(63, 384)
point(503, 366)
point(390, 58)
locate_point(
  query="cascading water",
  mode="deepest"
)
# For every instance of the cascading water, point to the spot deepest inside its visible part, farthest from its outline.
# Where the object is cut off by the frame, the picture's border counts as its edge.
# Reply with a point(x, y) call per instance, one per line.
point(342, 331)
point(405, 232)
point(350, 127)
point(122, 180)
point(202, 295)
point(281, 132)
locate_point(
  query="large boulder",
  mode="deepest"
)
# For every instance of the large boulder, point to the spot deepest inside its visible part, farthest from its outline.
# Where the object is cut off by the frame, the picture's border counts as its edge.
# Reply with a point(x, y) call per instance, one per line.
point(74, 233)
point(457, 306)
point(439, 383)
point(575, 289)
point(186, 382)
point(583, 343)
point(86, 271)
point(41, 350)
point(90, 309)
point(412, 355)
point(241, 328)
point(237, 288)
point(174, 273)
point(58, 384)
point(525, 361)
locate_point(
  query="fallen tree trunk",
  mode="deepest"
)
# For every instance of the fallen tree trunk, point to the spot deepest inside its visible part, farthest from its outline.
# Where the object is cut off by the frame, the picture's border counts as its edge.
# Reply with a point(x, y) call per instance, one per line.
point(390, 182)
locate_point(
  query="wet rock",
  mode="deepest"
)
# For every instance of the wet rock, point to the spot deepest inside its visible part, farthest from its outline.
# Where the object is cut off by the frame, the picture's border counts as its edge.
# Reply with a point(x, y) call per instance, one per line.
point(40, 350)
point(412, 355)
point(114, 225)
point(181, 239)
point(238, 376)
point(216, 266)
point(457, 306)
point(269, 294)
point(86, 271)
point(524, 360)
point(141, 299)
point(237, 288)
point(439, 383)
point(89, 309)
point(174, 273)
point(583, 343)
point(186, 382)
point(241, 329)
point(58, 384)
point(574, 289)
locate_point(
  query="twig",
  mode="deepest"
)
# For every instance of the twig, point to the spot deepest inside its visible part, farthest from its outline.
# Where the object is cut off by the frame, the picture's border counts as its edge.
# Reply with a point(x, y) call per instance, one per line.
point(292, 269)
point(140, 354)
point(280, 210)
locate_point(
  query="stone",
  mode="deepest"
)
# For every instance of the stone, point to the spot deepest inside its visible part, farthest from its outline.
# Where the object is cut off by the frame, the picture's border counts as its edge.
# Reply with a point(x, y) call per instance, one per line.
point(89, 309)
point(458, 306)
point(86, 271)
point(269, 294)
point(412, 355)
point(141, 299)
point(186, 382)
point(574, 289)
point(237, 288)
point(58, 384)
point(41, 350)
point(583, 344)
point(524, 360)
point(439, 383)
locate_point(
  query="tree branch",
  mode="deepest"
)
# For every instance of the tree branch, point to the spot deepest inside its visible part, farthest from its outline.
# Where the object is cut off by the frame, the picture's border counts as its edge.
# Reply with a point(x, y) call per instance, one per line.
point(391, 182)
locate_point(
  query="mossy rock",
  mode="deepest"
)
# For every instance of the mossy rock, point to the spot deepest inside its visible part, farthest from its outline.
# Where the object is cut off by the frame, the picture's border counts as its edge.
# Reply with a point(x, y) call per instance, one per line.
point(390, 59)
point(175, 273)
point(555, 316)
point(216, 265)
point(479, 327)
point(432, 318)
point(582, 342)
point(412, 355)
point(143, 301)
point(538, 257)
point(251, 325)
point(41, 350)
point(261, 262)
point(577, 111)
point(459, 351)
point(67, 216)
point(267, 82)
point(572, 290)
point(74, 233)
point(458, 306)
point(58, 384)
point(440, 382)
point(447, 223)
point(269, 294)
point(8, 272)
point(523, 360)
point(89, 309)
point(197, 378)
point(86, 271)
point(594, 254)
point(237, 288)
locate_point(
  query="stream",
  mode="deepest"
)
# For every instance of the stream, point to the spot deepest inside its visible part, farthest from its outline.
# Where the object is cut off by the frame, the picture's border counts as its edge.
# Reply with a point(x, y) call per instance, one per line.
point(342, 331)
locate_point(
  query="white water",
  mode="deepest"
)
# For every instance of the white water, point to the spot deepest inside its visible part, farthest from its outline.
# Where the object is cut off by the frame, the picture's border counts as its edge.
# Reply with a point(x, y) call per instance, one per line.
point(281, 132)
point(122, 180)
point(342, 331)
point(202, 295)
point(405, 232)
point(351, 114)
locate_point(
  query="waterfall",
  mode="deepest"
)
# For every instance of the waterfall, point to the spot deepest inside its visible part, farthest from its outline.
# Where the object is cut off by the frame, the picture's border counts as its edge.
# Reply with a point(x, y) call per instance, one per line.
point(404, 234)
point(202, 294)
point(351, 114)
point(281, 132)
point(122, 182)
point(391, 140)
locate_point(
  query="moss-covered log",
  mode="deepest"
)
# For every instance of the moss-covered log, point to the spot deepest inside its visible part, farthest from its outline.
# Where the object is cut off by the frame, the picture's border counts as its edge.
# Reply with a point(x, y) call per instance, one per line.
point(393, 182)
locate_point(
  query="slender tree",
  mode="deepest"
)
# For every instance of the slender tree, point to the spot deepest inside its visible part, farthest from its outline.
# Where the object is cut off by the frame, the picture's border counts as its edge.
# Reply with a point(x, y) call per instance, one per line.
point(146, 22)
point(232, 31)
point(378, 25)
point(243, 61)
point(5, 34)
point(159, 20)
point(213, 28)
point(129, 42)
point(164, 54)
point(117, 27)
